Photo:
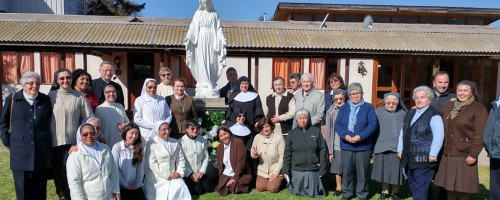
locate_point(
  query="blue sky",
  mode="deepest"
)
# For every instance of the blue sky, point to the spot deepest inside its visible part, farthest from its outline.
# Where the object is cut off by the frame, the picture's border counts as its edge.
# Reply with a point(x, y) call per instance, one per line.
point(251, 9)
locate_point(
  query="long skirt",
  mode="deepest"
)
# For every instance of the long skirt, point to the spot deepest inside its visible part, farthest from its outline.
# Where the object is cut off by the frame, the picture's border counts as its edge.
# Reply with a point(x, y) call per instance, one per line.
point(386, 168)
point(242, 185)
point(336, 166)
point(455, 175)
point(306, 183)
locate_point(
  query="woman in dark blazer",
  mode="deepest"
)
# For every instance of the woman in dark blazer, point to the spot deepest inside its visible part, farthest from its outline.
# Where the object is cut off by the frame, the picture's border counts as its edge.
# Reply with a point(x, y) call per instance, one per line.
point(182, 107)
point(28, 112)
point(234, 170)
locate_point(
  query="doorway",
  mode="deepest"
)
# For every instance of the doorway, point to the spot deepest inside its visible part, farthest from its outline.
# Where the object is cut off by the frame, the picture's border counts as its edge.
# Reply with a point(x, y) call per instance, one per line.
point(140, 67)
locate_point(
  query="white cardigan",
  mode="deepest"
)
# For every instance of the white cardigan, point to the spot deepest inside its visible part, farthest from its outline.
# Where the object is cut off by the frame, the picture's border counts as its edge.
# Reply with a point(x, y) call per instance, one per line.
point(161, 163)
point(196, 153)
point(89, 180)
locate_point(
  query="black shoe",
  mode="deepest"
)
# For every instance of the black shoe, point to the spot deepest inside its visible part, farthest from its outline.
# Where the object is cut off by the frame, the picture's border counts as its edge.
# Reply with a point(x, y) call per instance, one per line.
point(395, 196)
point(337, 193)
point(384, 196)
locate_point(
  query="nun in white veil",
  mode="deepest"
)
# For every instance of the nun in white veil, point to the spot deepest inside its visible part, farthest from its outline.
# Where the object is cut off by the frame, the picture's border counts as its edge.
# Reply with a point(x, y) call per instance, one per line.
point(92, 173)
point(149, 108)
point(166, 165)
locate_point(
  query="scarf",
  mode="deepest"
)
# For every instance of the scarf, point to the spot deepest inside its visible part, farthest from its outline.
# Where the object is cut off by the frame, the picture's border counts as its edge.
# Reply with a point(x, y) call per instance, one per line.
point(459, 106)
point(354, 113)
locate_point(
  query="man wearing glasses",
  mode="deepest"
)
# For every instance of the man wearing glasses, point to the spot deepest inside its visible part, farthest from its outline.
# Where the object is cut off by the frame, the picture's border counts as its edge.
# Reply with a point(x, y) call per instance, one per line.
point(107, 71)
point(164, 88)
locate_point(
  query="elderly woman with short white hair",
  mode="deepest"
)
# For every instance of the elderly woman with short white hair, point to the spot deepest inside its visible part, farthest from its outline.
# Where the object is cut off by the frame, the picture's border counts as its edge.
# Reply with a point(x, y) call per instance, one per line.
point(356, 124)
point(420, 140)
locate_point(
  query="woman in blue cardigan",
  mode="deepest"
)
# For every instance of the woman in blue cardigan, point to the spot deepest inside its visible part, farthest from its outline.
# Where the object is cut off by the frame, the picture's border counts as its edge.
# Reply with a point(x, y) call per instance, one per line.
point(356, 124)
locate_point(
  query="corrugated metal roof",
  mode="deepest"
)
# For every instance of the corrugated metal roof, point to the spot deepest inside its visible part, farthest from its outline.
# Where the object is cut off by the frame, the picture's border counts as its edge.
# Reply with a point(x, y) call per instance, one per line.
point(155, 33)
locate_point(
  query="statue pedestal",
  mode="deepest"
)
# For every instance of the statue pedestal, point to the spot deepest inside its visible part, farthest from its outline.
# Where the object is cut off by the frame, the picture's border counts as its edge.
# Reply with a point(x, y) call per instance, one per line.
point(210, 104)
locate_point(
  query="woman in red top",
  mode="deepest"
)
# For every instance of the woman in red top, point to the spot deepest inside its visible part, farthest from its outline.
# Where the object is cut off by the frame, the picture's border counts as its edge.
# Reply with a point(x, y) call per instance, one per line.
point(81, 82)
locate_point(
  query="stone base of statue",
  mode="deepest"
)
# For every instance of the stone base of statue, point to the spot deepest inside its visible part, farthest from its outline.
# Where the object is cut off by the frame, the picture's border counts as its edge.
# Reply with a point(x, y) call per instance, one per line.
point(210, 104)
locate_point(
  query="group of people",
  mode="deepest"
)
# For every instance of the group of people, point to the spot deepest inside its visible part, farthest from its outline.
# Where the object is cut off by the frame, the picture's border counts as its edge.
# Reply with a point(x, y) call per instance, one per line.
point(80, 132)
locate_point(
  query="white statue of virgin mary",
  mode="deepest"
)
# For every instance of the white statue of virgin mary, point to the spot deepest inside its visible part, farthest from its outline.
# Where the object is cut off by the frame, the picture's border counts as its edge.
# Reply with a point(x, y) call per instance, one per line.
point(205, 50)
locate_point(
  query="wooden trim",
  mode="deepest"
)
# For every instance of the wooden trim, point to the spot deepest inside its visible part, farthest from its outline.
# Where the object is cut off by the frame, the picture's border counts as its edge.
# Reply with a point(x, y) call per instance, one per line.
point(256, 84)
point(402, 75)
point(394, 88)
point(346, 75)
point(85, 60)
point(249, 68)
point(375, 82)
point(481, 78)
point(339, 65)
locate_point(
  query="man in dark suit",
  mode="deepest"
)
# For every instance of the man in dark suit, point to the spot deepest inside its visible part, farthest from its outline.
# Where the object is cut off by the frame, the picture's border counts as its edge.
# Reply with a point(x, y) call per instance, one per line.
point(232, 78)
point(107, 71)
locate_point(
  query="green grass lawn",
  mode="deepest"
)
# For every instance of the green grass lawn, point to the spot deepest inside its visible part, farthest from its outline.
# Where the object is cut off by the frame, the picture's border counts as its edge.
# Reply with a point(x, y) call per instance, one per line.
point(7, 187)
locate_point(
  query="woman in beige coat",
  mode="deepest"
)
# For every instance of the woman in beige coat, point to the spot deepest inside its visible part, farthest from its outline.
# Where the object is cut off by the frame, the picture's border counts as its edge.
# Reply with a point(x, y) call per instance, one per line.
point(269, 149)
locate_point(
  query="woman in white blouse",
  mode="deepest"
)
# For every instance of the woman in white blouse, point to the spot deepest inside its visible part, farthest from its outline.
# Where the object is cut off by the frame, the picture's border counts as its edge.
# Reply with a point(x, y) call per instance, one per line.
point(166, 165)
point(112, 116)
point(129, 156)
point(149, 108)
point(195, 151)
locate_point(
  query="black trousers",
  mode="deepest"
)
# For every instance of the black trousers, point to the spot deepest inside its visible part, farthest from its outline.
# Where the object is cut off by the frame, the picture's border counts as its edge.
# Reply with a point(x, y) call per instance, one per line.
point(60, 178)
point(126, 194)
point(198, 188)
point(494, 179)
point(30, 184)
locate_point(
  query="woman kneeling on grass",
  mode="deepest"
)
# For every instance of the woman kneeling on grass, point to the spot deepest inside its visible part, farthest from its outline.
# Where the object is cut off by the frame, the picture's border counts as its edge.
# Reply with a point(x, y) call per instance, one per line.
point(232, 164)
point(268, 148)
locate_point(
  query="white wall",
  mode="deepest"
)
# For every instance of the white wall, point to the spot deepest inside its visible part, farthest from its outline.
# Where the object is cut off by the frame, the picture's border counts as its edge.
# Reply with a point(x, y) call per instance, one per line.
point(366, 81)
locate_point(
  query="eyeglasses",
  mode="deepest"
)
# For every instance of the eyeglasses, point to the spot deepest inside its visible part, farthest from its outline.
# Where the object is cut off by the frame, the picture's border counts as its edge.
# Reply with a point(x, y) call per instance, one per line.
point(355, 94)
point(167, 74)
point(108, 70)
point(33, 83)
point(194, 128)
point(339, 99)
point(87, 134)
point(63, 78)
point(391, 103)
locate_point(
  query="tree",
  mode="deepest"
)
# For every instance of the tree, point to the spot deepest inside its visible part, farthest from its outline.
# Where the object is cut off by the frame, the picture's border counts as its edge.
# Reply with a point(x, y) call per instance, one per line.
point(112, 7)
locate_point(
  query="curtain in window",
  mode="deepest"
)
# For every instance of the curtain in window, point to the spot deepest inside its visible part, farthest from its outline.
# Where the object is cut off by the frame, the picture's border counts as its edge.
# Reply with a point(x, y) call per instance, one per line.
point(70, 61)
point(27, 62)
point(186, 73)
point(280, 69)
point(9, 61)
point(51, 62)
point(295, 64)
point(317, 68)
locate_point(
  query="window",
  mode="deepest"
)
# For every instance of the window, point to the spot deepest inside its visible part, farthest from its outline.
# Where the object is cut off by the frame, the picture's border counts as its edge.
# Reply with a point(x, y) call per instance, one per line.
point(283, 67)
point(317, 69)
point(52, 61)
point(15, 64)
